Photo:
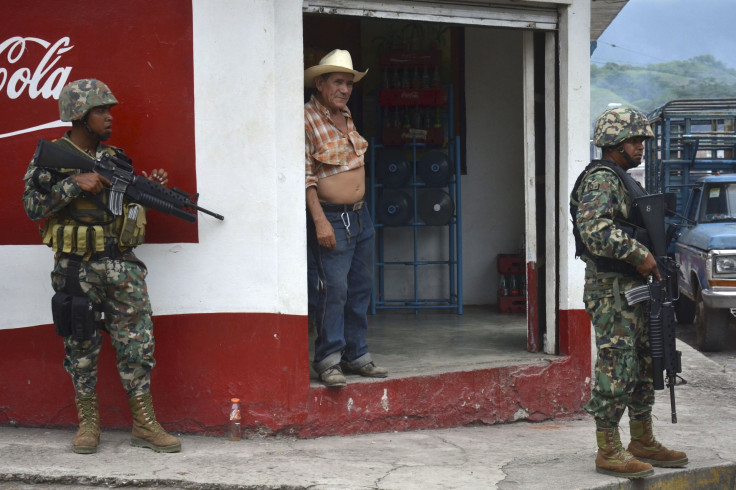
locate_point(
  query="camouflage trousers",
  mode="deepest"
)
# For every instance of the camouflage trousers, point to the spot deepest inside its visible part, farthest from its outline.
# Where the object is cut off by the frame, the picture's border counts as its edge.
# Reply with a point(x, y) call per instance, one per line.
point(623, 367)
point(119, 288)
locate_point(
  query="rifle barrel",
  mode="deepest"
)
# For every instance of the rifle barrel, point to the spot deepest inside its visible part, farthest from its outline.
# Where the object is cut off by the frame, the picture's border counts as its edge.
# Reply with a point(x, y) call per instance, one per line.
point(211, 213)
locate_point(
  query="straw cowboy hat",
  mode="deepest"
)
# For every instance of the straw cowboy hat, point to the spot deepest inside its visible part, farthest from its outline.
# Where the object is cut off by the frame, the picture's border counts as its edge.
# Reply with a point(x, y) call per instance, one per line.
point(336, 61)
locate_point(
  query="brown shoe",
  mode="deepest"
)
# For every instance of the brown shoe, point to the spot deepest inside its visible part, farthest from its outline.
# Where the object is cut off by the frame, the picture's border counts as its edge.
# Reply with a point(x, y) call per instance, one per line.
point(613, 460)
point(369, 370)
point(333, 376)
point(645, 447)
point(147, 432)
point(88, 435)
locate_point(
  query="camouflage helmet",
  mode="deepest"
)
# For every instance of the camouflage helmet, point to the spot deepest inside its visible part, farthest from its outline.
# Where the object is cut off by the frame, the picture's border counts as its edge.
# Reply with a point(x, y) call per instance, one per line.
point(78, 97)
point(619, 124)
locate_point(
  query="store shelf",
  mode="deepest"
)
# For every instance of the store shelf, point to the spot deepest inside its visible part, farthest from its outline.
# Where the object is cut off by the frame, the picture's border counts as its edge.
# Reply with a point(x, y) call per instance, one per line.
point(420, 193)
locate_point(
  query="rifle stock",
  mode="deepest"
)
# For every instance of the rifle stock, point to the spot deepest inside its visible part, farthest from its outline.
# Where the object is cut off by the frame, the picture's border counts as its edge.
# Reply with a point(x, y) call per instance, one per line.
point(138, 189)
point(49, 155)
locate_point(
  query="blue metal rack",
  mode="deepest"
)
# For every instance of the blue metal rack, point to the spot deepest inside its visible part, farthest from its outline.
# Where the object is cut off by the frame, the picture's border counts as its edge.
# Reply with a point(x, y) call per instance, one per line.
point(454, 298)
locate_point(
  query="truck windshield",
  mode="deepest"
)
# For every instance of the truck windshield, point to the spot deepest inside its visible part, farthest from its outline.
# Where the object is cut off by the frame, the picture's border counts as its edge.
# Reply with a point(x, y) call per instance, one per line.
point(719, 203)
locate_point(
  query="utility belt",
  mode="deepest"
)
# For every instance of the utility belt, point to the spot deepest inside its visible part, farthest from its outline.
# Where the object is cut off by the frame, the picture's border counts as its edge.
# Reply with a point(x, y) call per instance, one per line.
point(340, 208)
point(111, 251)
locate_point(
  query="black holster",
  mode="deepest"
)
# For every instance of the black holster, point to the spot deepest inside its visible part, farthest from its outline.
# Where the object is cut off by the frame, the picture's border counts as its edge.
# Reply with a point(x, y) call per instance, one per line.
point(72, 310)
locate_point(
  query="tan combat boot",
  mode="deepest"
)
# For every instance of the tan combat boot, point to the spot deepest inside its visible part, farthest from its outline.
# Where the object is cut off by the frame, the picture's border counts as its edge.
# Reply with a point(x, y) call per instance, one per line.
point(147, 432)
point(614, 461)
point(645, 447)
point(88, 435)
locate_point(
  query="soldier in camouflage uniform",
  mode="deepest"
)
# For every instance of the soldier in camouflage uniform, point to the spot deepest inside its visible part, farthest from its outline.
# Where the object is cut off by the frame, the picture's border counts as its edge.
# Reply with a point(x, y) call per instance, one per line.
point(615, 262)
point(94, 257)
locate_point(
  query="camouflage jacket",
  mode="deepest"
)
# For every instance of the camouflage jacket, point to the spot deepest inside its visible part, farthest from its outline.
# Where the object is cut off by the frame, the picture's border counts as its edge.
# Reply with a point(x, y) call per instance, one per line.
point(603, 199)
point(52, 195)
point(49, 191)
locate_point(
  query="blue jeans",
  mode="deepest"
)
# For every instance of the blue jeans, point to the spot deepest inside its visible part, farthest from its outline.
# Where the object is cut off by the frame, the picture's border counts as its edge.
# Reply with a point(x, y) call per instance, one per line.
point(347, 278)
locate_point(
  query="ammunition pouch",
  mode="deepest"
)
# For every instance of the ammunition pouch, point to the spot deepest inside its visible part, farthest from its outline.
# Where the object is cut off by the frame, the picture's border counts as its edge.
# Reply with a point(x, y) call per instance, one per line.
point(133, 231)
point(74, 239)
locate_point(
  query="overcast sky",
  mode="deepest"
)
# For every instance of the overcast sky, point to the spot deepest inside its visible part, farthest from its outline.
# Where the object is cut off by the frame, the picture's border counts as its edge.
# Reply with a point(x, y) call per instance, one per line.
point(655, 31)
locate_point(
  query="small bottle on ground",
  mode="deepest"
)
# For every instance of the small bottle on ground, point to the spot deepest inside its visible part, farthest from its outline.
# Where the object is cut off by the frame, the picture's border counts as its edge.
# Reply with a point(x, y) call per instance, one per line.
point(234, 429)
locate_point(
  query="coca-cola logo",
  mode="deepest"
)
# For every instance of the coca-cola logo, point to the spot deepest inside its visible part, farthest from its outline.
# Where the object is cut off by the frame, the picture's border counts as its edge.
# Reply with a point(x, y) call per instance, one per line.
point(149, 66)
point(20, 78)
point(414, 95)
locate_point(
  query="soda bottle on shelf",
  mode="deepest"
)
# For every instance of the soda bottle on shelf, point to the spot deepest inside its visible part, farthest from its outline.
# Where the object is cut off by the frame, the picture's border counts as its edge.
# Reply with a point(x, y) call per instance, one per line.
point(514, 286)
point(234, 429)
point(416, 119)
point(437, 118)
point(396, 84)
point(386, 118)
point(426, 78)
point(406, 120)
point(502, 286)
point(416, 80)
point(436, 77)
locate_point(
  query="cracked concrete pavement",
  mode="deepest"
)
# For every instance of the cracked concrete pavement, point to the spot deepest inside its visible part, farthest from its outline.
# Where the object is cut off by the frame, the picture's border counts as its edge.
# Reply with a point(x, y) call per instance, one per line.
point(521, 455)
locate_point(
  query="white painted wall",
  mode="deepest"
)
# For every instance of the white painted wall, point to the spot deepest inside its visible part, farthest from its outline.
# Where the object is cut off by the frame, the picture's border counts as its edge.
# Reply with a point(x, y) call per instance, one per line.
point(574, 88)
point(493, 193)
point(249, 134)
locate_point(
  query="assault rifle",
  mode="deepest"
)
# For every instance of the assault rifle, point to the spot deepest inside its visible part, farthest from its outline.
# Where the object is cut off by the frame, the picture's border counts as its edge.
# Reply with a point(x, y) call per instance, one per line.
point(124, 182)
point(661, 296)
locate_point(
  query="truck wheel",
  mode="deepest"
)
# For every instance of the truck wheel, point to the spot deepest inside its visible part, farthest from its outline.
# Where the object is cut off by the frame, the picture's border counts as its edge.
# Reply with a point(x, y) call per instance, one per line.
point(684, 309)
point(710, 326)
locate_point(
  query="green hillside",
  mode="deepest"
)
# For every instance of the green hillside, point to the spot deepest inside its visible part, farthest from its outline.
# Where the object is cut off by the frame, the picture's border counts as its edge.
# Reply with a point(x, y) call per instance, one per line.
point(650, 86)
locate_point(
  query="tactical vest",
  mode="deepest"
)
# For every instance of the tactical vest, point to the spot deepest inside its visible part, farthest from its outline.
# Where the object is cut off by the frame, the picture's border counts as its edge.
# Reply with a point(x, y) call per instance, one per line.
point(633, 226)
point(86, 225)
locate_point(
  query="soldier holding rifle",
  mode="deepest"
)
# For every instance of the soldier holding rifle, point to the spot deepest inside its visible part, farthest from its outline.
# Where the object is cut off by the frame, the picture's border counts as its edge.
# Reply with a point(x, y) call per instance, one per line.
point(99, 282)
point(608, 234)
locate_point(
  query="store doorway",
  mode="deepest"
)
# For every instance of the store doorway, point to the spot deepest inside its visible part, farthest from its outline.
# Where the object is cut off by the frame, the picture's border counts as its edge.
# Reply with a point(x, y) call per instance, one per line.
point(482, 123)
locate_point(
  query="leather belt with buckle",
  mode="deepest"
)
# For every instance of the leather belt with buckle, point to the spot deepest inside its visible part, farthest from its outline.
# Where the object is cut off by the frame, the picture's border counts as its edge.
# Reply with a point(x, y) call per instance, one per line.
point(339, 208)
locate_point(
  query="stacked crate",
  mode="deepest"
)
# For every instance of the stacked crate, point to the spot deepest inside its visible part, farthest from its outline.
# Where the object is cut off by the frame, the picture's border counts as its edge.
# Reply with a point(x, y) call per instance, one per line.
point(512, 284)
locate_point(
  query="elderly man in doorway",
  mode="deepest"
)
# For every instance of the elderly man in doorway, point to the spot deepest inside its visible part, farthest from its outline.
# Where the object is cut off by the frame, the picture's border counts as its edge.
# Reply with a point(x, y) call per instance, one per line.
point(340, 232)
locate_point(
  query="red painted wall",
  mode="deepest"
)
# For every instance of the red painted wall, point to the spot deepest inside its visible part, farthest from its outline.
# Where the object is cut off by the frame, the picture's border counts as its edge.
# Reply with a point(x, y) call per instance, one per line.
point(141, 49)
point(201, 362)
point(200, 367)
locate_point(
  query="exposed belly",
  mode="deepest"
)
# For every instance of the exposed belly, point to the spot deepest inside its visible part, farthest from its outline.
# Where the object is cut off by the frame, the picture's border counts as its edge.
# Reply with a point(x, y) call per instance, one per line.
point(343, 188)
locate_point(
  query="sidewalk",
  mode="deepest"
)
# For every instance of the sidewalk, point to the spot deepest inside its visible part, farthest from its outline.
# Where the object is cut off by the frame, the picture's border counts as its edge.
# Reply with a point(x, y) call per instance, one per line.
point(551, 455)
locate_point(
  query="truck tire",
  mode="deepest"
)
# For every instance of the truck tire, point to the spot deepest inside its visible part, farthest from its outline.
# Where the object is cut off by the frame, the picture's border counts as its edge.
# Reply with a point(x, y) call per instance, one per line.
point(684, 309)
point(710, 326)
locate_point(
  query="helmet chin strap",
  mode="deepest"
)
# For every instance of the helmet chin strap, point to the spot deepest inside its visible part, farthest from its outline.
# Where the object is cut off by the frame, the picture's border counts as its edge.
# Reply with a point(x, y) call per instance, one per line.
point(632, 163)
point(99, 137)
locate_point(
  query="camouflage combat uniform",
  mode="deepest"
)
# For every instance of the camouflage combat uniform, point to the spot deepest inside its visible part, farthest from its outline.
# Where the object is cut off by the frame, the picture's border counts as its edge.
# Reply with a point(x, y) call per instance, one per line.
point(623, 371)
point(114, 282)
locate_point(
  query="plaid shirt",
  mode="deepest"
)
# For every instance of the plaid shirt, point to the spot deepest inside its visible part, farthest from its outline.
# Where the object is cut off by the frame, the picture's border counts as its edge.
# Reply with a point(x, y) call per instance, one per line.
point(327, 150)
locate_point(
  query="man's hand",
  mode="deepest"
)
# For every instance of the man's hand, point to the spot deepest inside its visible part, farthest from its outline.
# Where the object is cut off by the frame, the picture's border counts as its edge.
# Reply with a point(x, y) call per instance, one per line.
point(91, 182)
point(160, 176)
point(649, 267)
point(325, 234)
